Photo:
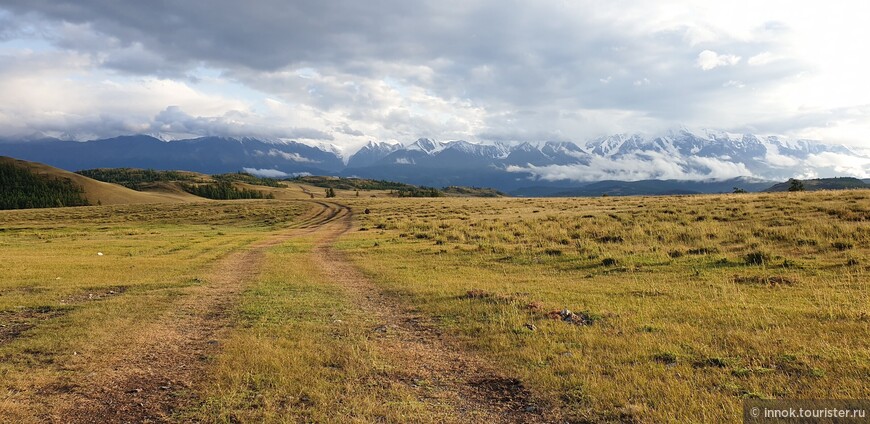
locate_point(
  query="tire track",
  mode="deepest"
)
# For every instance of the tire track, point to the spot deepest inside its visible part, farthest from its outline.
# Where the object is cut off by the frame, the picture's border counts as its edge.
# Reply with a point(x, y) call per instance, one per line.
point(460, 386)
point(153, 377)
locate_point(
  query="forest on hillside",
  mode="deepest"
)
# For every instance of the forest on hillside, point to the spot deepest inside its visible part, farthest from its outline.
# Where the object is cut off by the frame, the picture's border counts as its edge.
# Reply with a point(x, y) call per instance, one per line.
point(20, 188)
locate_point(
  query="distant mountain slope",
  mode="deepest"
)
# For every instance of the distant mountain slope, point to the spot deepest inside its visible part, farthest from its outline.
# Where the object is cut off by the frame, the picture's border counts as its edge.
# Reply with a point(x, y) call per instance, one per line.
point(675, 155)
point(662, 187)
point(842, 183)
point(210, 155)
point(98, 192)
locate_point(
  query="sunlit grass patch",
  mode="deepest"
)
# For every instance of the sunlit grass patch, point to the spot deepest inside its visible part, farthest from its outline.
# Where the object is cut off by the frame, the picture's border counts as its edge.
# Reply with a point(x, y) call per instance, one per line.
point(708, 298)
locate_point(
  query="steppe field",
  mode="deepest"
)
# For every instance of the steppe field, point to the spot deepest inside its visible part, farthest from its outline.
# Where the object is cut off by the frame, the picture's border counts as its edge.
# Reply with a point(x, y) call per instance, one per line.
point(378, 309)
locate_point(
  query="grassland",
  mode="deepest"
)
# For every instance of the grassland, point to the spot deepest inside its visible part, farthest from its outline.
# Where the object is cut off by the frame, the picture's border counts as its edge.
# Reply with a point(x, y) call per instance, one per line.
point(691, 304)
point(681, 308)
point(77, 285)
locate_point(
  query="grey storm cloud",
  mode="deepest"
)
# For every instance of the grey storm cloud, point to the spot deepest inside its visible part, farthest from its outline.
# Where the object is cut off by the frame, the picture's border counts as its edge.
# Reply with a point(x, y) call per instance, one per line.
point(525, 53)
point(461, 68)
point(173, 120)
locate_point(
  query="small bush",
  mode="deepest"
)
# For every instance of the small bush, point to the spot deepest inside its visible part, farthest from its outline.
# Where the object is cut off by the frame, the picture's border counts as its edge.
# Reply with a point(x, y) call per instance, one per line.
point(611, 239)
point(756, 258)
point(665, 358)
point(609, 262)
point(703, 251)
point(841, 246)
point(765, 281)
point(710, 363)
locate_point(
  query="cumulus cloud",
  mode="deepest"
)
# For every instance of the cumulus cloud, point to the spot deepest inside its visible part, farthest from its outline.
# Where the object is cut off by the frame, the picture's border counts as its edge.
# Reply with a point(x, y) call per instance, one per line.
point(709, 59)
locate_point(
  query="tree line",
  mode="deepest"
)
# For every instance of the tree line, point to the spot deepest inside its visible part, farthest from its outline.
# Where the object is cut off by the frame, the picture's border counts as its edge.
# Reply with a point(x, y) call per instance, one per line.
point(136, 179)
point(223, 190)
point(20, 188)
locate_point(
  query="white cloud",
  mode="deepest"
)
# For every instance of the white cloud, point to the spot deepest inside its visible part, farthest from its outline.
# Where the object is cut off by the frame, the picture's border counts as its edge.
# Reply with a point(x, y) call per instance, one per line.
point(295, 157)
point(644, 166)
point(839, 164)
point(266, 173)
point(762, 59)
point(709, 59)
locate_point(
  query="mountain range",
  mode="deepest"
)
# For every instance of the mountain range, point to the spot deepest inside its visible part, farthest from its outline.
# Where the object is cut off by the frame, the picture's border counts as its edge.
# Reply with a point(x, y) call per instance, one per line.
point(709, 161)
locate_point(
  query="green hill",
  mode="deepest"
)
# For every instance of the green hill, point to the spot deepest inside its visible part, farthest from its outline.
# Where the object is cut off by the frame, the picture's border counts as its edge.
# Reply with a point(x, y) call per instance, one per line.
point(21, 188)
point(840, 183)
point(341, 183)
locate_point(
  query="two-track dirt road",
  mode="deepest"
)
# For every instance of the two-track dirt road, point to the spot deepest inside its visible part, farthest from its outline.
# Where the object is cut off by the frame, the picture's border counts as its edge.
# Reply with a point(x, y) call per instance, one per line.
point(157, 374)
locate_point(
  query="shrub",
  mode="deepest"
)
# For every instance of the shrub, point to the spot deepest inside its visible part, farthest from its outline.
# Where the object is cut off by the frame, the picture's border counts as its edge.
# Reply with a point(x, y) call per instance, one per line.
point(756, 258)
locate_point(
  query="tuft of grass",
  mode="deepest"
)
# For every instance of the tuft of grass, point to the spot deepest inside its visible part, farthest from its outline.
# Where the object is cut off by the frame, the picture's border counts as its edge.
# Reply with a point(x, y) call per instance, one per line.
point(756, 258)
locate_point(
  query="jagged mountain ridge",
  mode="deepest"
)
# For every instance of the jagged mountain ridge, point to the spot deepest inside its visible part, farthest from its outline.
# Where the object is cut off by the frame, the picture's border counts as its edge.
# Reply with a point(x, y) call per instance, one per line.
point(676, 155)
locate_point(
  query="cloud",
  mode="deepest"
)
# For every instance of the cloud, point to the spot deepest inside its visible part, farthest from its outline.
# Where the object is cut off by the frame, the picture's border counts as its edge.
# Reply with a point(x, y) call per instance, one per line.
point(295, 157)
point(397, 70)
point(829, 163)
point(636, 167)
point(346, 129)
point(266, 173)
point(762, 59)
point(709, 59)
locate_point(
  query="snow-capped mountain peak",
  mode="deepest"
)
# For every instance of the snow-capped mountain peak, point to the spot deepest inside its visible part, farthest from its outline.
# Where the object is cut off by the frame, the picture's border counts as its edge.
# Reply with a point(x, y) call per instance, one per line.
point(426, 145)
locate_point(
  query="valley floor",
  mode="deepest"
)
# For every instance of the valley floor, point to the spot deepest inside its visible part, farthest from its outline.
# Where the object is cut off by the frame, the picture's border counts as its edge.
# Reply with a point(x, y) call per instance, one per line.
point(435, 310)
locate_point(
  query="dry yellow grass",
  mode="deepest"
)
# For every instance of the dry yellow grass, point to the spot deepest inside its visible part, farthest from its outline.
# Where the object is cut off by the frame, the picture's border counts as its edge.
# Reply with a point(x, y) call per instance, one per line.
point(692, 303)
point(689, 304)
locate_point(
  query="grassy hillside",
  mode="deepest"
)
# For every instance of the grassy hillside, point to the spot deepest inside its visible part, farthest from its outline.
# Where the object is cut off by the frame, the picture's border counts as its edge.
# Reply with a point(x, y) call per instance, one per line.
point(22, 189)
point(841, 183)
point(98, 192)
point(458, 191)
point(395, 189)
point(350, 183)
point(140, 179)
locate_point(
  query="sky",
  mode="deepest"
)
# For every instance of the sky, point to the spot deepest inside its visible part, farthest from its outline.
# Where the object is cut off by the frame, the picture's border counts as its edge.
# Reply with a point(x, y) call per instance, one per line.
point(344, 72)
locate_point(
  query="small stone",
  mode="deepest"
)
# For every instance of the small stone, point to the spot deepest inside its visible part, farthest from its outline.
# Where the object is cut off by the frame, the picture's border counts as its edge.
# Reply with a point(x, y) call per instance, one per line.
point(133, 391)
point(530, 326)
point(164, 387)
point(380, 329)
point(531, 408)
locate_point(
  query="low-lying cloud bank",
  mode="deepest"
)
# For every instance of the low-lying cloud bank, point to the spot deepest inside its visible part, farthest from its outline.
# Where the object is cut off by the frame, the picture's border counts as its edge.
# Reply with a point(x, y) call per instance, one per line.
point(658, 166)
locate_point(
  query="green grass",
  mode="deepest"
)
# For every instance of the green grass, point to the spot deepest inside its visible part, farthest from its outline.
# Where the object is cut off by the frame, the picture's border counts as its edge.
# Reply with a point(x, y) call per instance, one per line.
point(300, 353)
point(150, 256)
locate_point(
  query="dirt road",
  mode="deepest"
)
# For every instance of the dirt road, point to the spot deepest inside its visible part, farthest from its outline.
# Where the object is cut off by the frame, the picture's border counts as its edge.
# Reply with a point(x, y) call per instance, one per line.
point(158, 373)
